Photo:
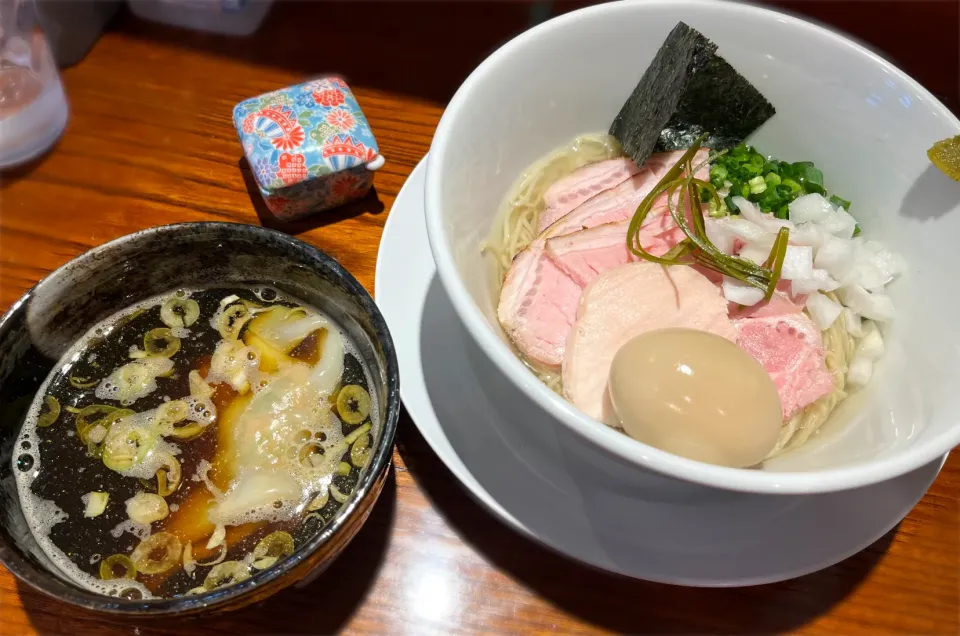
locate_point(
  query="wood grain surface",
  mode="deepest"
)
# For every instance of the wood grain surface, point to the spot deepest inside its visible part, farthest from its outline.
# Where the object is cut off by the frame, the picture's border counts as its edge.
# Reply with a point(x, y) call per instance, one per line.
point(150, 142)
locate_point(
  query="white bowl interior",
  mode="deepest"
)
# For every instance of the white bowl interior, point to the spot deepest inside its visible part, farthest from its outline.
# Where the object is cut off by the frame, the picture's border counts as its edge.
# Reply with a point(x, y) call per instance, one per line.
point(863, 122)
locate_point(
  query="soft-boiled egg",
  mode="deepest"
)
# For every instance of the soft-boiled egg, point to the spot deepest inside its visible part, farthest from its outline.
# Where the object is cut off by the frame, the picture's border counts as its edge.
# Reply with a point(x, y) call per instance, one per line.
point(695, 394)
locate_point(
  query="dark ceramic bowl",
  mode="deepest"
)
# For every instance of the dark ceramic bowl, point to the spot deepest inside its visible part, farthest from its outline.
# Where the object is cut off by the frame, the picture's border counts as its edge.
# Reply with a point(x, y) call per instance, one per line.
point(42, 325)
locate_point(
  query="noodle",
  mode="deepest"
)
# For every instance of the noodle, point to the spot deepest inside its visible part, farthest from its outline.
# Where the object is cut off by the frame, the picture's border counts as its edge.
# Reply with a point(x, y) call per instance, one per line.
point(516, 227)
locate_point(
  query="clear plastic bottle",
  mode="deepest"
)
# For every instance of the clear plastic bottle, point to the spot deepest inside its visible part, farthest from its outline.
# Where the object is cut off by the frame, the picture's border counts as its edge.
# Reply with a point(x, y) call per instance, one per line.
point(33, 106)
point(229, 17)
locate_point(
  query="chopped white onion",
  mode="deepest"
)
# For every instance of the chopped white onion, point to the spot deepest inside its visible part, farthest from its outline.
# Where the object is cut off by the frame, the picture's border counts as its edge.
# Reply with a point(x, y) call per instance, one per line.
point(840, 224)
point(871, 346)
point(865, 273)
point(813, 208)
point(888, 263)
point(719, 235)
point(755, 253)
point(859, 372)
point(818, 280)
point(853, 323)
point(872, 306)
point(741, 293)
point(810, 207)
point(749, 232)
point(752, 213)
point(808, 234)
point(797, 262)
point(823, 310)
point(835, 256)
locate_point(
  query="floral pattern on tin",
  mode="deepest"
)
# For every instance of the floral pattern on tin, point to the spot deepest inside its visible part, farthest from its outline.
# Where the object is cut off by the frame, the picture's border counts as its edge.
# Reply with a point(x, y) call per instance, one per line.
point(306, 135)
point(341, 119)
point(329, 97)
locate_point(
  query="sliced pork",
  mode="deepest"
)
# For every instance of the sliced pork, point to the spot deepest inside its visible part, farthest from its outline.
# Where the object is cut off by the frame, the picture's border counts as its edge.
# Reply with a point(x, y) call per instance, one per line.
point(790, 347)
point(624, 302)
point(539, 296)
point(578, 186)
point(588, 253)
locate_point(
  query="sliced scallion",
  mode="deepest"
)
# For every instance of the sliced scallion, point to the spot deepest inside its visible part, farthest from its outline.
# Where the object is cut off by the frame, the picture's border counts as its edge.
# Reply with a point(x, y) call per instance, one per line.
point(109, 567)
point(179, 312)
point(272, 548)
point(161, 342)
point(157, 553)
point(226, 573)
point(83, 383)
point(49, 416)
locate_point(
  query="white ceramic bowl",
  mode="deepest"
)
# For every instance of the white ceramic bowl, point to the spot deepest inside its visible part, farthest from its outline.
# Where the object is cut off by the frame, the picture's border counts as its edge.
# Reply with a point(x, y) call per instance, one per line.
point(863, 121)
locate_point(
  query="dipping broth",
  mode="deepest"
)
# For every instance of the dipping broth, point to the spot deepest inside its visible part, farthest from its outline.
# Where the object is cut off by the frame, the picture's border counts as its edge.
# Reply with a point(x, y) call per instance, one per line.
point(191, 440)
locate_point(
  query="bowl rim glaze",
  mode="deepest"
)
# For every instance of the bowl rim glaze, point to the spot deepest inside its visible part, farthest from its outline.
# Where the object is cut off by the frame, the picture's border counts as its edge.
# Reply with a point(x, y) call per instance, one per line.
point(222, 599)
point(617, 445)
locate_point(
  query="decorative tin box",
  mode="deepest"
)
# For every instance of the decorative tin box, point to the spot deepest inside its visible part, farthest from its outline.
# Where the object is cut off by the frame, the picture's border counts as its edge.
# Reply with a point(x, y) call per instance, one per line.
point(309, 146)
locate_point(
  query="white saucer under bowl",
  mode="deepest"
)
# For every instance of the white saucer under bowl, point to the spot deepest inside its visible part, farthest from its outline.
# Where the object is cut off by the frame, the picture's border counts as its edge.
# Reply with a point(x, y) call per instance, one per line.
point(529, 472)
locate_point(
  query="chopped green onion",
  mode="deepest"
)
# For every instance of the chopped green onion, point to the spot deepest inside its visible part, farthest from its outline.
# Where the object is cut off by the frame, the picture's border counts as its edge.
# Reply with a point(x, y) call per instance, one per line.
point(812, 179)
point(728, 201)
point(757, 185)
point(840, 203)
point(741, 168)
point(793, 185)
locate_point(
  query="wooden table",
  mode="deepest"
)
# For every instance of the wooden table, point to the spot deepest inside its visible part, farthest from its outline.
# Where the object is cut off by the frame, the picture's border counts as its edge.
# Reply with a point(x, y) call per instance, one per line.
point(150, 142)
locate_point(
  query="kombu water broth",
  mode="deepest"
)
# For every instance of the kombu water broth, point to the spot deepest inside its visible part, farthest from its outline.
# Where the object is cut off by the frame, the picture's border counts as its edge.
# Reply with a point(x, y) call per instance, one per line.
point(66, 471)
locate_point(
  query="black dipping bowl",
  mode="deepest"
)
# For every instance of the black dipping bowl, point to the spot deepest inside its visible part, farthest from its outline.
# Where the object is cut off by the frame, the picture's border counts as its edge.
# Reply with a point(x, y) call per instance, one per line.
point(42, 325)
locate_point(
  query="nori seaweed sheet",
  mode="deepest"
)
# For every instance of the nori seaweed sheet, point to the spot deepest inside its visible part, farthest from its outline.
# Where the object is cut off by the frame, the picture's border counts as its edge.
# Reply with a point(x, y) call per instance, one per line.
point(688, 90)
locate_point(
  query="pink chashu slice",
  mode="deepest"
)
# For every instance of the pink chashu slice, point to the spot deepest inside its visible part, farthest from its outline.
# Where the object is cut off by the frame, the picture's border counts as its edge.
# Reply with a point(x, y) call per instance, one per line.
point(539, 298)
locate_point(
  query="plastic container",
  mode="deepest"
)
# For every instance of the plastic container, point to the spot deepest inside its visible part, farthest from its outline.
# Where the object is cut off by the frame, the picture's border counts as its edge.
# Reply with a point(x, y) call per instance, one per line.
point(74, 26)
point(33, 106)
point(227, 17)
